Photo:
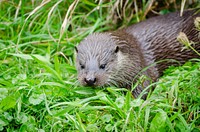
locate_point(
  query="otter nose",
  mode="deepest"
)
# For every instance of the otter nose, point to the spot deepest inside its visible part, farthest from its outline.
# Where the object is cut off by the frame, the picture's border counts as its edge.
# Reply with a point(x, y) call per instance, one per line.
point(90, 81)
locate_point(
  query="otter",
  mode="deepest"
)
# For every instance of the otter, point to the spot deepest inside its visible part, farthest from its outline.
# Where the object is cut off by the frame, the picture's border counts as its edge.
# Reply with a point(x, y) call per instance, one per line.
point(117, 58)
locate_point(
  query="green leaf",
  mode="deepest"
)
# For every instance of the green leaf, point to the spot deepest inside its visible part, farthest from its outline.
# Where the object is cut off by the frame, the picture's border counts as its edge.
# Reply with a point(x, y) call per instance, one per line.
point(36, 99)
point(106, 118)
point(81, 126)
point(109, 127)
point(159, 122)
point(7, 103)
point(57, 64)
point(3, 93)
point(23, 56)
point(92, 128)
point(127, 104)
point(42, 59)
point(183, 122)
point(120, 102)
point(8, 116)
point(70, 69)
point(84, 91)
point(22, 118)
point(47, 65)
point(5, 82)
point(3, 122)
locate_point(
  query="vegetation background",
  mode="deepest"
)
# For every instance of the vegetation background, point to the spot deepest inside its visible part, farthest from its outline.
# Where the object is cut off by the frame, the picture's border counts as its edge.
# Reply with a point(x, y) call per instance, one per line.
point(38, 86)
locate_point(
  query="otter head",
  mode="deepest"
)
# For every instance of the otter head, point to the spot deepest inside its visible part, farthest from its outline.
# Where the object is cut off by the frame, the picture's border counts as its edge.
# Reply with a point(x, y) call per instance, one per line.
point(97, 59)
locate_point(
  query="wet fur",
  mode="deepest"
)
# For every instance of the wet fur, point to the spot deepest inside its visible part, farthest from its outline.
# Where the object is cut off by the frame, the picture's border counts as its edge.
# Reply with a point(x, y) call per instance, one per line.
point(140, 45)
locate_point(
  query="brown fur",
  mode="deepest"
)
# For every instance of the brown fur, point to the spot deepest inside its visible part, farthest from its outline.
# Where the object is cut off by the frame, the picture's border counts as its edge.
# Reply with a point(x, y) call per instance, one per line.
point(116, 58)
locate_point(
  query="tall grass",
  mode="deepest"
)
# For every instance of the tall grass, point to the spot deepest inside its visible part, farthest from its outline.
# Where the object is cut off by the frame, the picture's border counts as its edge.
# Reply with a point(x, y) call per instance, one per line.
point(38, 86)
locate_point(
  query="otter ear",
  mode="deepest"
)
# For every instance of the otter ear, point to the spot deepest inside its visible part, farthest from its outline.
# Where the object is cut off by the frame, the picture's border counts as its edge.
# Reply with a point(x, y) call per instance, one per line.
point(116, 49)
point(76, 49)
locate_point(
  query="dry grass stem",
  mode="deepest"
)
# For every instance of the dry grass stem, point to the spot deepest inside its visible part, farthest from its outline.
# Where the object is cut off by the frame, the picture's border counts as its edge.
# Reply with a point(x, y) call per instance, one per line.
point(67, 18)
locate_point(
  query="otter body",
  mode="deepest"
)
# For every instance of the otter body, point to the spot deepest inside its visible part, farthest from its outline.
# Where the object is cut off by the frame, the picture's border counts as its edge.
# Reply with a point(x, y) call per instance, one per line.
point(117, 58)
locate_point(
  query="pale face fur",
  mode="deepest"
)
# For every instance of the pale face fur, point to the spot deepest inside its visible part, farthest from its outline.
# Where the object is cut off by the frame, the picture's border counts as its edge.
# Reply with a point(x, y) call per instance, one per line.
point(97, 57)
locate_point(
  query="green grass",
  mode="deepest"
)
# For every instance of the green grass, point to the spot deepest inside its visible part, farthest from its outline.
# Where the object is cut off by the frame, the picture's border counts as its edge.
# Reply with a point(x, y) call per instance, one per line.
point(38, 86)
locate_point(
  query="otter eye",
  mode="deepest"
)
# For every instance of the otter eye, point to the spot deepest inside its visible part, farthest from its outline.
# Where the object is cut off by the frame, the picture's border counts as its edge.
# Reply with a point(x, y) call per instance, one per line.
point(117, 49)
point(102, 66)
point(82, 66)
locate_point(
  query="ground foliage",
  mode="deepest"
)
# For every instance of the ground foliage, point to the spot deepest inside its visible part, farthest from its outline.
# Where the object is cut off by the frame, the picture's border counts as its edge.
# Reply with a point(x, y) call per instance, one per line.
point(38, 85)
